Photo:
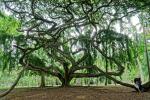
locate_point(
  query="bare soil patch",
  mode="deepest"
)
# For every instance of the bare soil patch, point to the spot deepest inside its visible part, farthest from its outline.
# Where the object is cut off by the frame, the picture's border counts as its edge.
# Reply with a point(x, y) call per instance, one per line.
point(77, 93)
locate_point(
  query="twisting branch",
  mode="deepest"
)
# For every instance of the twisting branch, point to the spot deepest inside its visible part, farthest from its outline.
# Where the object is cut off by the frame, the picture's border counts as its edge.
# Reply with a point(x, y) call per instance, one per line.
point(49, 70)
point(120, 67)
point(67, 56)
point(54, 56)
point(101, 73)
point(80, 75)
point(15, 11)
point(103, 6)
point(74, 67)
point(24, 62)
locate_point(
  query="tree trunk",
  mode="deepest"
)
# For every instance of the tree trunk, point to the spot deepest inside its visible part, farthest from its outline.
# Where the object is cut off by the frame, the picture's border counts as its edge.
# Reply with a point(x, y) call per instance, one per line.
point(106, 66)
point(106, 80)
point(146, 52)
point(66, 83)
point(42, 80)
point(66, 80)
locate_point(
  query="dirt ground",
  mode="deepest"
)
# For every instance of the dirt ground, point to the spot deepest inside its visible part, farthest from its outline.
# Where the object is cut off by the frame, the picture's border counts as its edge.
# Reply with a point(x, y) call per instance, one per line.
point(77, 93)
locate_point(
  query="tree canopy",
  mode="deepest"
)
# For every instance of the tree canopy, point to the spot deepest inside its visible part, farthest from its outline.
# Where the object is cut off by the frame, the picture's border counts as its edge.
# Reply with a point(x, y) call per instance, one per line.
point(64, 37)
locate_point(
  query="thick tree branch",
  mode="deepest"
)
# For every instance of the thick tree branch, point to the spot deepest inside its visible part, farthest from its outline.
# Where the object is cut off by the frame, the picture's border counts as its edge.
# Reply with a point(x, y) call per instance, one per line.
point(14, 84)
point(120, 67)
point(115, 80)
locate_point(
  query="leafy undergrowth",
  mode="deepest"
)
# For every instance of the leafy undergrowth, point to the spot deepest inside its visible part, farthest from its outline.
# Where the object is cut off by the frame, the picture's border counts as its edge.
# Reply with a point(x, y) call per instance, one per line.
point(77, 93)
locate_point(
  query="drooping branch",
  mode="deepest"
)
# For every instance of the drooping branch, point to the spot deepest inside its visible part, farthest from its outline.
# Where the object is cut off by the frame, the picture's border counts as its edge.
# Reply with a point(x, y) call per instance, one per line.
point(25, 63)
point(14, 84)
point(49, 70)
point(73, 69)
point(120, 67)
point(115, 80)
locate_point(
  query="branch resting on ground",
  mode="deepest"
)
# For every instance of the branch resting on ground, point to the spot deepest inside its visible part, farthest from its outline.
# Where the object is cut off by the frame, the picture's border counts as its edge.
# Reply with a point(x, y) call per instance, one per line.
point(13, 86)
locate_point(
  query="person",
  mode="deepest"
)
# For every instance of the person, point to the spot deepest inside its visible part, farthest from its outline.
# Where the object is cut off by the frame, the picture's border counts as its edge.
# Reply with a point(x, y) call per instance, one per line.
point(138, 84)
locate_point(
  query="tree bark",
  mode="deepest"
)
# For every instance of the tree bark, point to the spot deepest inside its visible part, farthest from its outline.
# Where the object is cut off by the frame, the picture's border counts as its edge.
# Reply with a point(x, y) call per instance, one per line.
point(66, 83)
point(106, 66)
point(42, 85)
point(66, 80)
